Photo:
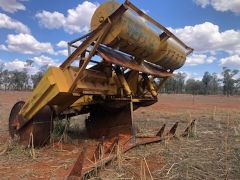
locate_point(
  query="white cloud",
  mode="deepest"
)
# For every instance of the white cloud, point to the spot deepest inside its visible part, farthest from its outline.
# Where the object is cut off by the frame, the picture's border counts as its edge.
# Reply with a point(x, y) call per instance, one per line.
point(190, 75)
point(210, 59)
point(202, 3)
point(44, 61)
point(197, 59)
point(26, 44)
point(62, 44)
point(51, 20)
point(76, 21)
point(9, 23)
point(15, 65)
point(11, 6)
point(231, 61)
point(63, 52)
point(221, 5)
point(3, 47)
point(207, 37)
point(20, 65)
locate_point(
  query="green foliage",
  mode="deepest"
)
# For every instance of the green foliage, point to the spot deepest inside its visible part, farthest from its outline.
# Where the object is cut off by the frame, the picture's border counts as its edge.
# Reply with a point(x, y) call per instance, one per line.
point(14, 80)
point(230, 83)
point(59, 127)
point(209, 84)
point(19, 80)
point(1, 73)
point(36, 78)
point(194, 86)
point(207, 78)
point(175, 84)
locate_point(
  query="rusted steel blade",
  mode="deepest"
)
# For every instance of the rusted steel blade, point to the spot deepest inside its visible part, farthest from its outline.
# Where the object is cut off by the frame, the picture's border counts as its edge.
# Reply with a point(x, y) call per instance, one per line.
point(113, 146)
point(107, 121)
point(189, 128)
point(98, 151)
point(109, 154)
point(172, 131)
point(13, 120)
point(126, 144)
point(40, 126)
point(76, 172)
point(161, 131)
point(120, 59)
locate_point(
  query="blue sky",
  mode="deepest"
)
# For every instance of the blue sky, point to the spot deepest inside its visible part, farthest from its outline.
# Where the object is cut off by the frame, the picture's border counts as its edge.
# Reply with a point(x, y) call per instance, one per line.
point(39, 30)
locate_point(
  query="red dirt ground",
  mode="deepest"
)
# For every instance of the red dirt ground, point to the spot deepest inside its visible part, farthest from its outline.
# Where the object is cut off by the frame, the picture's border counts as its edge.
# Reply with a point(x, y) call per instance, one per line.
point(188, 102)
point(55, 162)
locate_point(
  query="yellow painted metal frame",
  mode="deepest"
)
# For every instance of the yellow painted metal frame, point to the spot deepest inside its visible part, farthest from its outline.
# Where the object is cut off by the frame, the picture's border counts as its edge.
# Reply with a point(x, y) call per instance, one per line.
point(66, 86)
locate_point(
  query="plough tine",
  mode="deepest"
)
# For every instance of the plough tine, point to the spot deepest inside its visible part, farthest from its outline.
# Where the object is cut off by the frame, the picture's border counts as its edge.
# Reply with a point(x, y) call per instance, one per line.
point(161, 131)
point(189, 128)
point(76, 172)
point(98, 151)
point(112, 147)
point(172, 131)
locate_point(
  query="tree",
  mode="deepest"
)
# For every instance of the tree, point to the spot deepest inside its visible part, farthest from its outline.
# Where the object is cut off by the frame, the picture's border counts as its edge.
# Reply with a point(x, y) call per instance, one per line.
point(169, 85)
point(238, 86)
point(214, 84)
point(36, 78)
point(229, 83)
point(207, 78)
point(6, 79)
point(19, 80)
point(194, 86)
point(1, 74)
point(175, 84)
point(179, 80)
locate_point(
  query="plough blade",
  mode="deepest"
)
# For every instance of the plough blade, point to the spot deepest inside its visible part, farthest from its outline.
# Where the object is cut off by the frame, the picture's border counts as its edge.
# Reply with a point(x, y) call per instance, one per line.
point(76, 172)
point(105, 150)
point(39, 128)
point(161, 131)
point(189, 128)
point(173, 130)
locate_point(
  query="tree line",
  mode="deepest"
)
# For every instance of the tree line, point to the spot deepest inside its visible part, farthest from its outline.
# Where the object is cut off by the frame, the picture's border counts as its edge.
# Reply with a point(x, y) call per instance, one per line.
point(18, 80)
point(209, 84)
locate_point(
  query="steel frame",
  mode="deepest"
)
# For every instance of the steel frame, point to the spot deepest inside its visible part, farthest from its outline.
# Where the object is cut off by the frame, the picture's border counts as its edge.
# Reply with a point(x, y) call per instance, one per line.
point(96, 37)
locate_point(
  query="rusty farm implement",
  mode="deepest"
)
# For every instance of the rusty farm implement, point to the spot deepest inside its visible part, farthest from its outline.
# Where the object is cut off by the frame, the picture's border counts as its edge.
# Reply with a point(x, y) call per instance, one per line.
point(132, 63)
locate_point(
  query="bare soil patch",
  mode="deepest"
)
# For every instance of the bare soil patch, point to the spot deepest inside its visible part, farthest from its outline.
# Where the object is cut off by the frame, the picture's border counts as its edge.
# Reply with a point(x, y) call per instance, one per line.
point(213, 152)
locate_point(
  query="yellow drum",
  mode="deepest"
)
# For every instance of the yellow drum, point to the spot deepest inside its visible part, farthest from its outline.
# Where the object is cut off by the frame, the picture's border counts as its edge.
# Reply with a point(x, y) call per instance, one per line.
point(132, 35)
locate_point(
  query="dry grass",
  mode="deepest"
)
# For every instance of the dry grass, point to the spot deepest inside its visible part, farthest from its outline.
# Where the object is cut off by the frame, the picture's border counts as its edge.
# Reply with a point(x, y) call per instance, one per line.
point(212, 151)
